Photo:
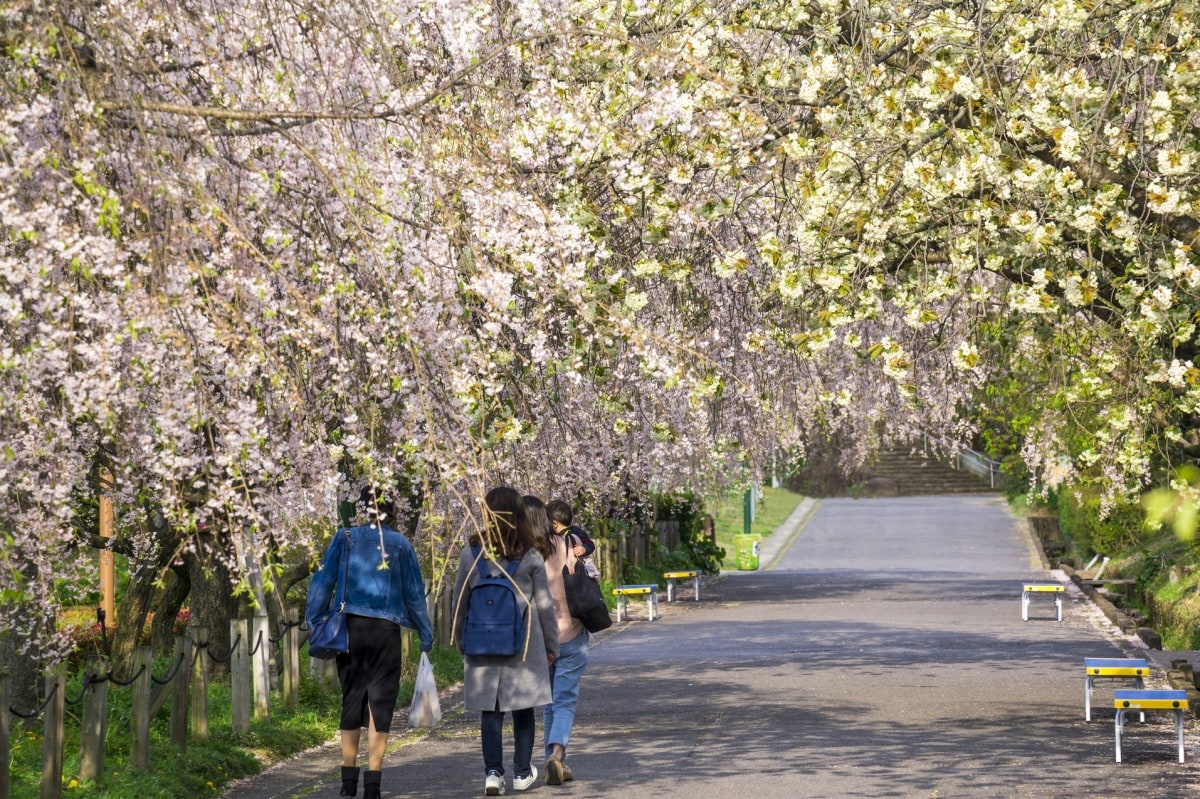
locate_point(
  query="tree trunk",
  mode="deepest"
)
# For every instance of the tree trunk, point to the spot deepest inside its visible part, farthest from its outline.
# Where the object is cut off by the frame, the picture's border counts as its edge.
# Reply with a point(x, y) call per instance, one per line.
point(25, 671)
point(131, 620)
point(212, 601)
point(170, 601)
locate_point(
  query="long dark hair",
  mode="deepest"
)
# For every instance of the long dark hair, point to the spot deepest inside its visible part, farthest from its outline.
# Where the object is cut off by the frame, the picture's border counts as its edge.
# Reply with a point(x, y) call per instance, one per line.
point(506, 527)
point(535, 511)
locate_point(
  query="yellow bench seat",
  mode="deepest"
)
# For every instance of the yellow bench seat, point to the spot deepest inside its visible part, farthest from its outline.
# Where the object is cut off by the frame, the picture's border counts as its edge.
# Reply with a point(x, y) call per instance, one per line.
point(673, 577)
point(1135, 669)
point(623, 592)
point(1172, 701)
point(1030, 590)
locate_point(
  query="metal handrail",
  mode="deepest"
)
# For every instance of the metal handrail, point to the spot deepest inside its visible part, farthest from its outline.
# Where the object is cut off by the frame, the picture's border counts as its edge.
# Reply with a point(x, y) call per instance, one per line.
point(969, 460)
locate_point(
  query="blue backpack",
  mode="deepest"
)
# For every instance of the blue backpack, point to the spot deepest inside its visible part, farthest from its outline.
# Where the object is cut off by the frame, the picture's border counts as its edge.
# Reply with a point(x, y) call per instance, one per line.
point(495, 613)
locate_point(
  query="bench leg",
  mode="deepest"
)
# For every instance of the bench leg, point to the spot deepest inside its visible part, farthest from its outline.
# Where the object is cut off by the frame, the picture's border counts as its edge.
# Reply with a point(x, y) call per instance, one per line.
point(1117, 722)
point(1087, 698)
point(696, 584)
point(1024, 607)
point(652, 604)
point(620, 606)
point(670, 589)
point(1058, 605)
point(1179, 732)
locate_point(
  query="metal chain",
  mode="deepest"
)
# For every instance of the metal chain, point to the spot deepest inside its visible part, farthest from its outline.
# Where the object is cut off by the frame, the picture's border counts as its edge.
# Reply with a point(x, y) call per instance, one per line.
point(42, 707)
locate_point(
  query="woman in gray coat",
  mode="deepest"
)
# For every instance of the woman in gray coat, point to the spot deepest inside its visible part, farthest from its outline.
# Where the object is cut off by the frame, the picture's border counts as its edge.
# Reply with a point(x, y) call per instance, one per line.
point(495, 684)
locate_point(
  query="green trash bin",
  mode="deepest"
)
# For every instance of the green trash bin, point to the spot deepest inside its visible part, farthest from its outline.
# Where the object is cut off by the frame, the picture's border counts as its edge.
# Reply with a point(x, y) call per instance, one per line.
point(745, 549)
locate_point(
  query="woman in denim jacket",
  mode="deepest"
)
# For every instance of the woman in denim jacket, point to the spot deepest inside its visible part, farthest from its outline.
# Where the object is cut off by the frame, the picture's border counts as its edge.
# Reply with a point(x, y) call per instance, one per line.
point(384, 592)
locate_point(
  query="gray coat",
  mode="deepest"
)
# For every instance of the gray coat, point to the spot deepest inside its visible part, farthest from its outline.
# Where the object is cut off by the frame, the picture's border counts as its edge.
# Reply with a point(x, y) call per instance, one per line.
point(515, 682)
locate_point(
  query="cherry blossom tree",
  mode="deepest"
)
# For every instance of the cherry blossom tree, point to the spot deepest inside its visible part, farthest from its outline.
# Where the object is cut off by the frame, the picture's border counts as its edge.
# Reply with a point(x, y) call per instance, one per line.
point(259, 254)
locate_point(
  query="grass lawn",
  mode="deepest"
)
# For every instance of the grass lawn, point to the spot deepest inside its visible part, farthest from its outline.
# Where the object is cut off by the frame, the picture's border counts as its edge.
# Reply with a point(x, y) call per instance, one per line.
point(774, 506)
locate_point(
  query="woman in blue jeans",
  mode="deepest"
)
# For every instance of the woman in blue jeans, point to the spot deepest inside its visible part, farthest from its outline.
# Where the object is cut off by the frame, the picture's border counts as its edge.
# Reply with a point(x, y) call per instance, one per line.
point(559, 716)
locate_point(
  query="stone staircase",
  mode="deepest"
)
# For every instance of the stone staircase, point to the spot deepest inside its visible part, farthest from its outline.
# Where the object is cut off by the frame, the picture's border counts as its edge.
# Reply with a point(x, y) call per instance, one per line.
point(900, 472)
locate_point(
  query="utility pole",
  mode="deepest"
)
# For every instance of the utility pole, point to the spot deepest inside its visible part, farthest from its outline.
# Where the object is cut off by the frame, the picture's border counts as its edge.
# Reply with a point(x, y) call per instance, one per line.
point(108, 586)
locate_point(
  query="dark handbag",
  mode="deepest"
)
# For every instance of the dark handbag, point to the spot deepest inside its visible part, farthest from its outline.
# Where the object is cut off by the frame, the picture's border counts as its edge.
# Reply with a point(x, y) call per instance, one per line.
point(329, 636)
point(585, 600)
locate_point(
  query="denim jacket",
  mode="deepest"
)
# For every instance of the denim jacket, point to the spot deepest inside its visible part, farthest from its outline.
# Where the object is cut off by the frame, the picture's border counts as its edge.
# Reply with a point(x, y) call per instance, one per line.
point(388, 587)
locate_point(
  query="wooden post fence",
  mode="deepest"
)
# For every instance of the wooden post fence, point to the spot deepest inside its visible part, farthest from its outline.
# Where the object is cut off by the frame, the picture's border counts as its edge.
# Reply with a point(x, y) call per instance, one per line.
point(139, 753)
point(5, 734)
point(291, 659)
point(444, 615)
point(182, 666)
point(199, 683)
point(607, 558)
point(186, 685)
point(260, 665)
point(239, 673)
point(52, 734)
point(324, 671)
point(94, 722)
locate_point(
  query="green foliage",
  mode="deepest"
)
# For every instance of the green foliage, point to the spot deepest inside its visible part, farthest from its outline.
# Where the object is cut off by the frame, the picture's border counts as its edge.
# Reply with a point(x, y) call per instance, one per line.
point(694, 551)
point(681, 506)
point(1170, 505)
point(702, 554)
point(1080, 519)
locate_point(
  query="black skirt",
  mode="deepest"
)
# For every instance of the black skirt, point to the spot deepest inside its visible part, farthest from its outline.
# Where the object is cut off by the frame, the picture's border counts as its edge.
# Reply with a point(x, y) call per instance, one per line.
point(370, 673)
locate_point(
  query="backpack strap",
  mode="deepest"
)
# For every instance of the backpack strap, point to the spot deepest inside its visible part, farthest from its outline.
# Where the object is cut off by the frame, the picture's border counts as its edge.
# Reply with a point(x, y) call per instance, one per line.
point(572, 542)
point(481, 564)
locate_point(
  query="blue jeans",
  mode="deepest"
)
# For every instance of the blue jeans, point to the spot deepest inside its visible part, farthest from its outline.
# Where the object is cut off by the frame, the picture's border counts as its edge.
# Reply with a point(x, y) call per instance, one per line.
point(559, 716)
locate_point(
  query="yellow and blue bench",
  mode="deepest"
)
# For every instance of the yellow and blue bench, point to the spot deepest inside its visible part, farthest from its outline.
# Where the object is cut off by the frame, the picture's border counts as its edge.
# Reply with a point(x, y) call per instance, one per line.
point(623, 592)
point(671, 577)
point(1126, 700)
point(1030, 590)
point(1111, 668)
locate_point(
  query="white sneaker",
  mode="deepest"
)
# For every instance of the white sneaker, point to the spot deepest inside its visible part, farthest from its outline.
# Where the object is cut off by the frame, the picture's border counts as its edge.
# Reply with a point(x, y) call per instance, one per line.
point(525, 783)
point(493, 785)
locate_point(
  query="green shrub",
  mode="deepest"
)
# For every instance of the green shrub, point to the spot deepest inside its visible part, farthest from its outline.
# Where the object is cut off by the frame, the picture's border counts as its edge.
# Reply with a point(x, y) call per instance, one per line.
point(1079, 518)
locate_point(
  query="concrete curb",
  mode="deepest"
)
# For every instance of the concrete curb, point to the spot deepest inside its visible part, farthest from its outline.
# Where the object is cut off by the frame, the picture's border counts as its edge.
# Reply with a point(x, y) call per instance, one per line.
point(781, 537)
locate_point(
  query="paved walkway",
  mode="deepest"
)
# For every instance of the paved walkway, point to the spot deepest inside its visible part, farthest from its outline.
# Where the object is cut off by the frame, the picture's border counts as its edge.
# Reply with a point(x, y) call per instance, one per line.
point(878, 652)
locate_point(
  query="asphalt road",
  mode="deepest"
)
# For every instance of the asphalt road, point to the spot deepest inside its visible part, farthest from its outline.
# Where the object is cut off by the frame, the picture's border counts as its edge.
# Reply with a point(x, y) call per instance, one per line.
point(878, 651)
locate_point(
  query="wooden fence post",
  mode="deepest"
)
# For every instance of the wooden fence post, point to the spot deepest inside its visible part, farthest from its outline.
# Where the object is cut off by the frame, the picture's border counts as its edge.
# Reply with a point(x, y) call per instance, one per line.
point(291, 659)
point(94, 724)
point(239, 674)
point(199, 683)
point(5, 733)
point(260, 665)
point(143, 685)
point(433, 608)
point(445, 608)
point(52, 734)
point(608, 560)
point(324, 671)
point(180, 694)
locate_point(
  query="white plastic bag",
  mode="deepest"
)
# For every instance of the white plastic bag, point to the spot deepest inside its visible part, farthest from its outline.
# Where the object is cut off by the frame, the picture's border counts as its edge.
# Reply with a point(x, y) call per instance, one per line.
point(426, 709)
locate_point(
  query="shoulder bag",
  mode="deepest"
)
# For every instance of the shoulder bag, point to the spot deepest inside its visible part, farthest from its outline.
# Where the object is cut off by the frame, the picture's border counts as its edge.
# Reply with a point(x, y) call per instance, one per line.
point(329, 636)
point(584, 597)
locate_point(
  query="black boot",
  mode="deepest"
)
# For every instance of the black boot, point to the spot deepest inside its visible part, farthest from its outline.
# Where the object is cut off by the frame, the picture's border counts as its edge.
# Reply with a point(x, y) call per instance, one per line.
point(371, 784)
point(349, 781)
